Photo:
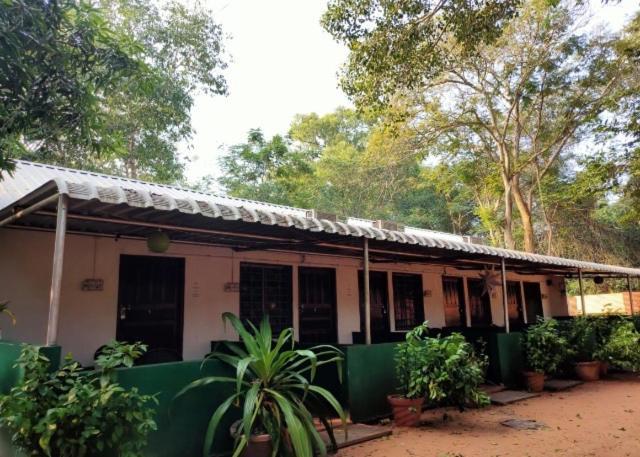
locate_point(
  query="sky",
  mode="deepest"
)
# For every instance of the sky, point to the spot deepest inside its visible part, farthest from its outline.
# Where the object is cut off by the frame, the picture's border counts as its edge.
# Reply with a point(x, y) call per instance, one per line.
point(283, 63)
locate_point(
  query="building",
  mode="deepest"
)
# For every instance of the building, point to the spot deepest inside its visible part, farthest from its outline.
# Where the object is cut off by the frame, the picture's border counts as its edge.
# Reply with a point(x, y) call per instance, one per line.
point(78, 271)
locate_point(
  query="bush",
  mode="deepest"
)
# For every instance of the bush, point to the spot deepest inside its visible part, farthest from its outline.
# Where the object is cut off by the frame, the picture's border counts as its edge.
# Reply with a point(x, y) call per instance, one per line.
point(444, 369)
point(582, 338)
point(545, 349)
point(622, 347)
point(72, 413)
point(410, 359)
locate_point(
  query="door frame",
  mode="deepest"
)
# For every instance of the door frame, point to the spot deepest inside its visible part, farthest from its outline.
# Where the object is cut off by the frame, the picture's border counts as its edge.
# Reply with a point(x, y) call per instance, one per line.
point(334, 313)
point(179, 304)
point(387, 328)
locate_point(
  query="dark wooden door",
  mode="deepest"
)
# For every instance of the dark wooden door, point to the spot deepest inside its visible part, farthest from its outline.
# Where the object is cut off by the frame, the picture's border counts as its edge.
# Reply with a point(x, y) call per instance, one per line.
point(514, 301)
point(379, 299)
point(317, 305)
point(479, 303)
point(533, 301)
point(151, 301)
point(454, 304)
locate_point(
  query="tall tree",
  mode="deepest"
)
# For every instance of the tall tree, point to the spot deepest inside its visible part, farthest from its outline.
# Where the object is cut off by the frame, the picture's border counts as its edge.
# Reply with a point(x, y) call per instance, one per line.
point(520, 102)
point(58, 59)
point(408, 40)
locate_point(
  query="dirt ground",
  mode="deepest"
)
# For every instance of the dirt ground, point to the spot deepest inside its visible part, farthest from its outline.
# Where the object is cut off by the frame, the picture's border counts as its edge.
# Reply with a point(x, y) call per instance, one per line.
point(593, 419)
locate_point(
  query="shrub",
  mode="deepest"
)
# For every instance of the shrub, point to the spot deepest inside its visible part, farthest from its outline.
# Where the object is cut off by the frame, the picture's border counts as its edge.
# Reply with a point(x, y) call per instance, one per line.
point(582, 338)
point(444, 369)
point(410, 360)
point(274, 385)
point(622, 347)
point(72, 413)
point(545, 348)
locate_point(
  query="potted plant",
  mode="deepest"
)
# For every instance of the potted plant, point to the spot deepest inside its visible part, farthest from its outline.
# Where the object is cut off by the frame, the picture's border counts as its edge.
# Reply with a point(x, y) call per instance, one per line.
point(544, 351)
point(4, 309)
point(584, 347)
point(443, 370)
point(410, 358)
point(273, 388)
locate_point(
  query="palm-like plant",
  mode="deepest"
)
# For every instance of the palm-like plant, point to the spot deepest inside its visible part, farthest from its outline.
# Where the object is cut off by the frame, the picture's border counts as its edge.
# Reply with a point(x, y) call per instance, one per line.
point(273, 387)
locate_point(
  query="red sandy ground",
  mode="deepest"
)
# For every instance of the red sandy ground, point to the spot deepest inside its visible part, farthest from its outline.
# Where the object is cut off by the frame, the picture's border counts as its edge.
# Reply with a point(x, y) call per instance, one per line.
point(594, 419)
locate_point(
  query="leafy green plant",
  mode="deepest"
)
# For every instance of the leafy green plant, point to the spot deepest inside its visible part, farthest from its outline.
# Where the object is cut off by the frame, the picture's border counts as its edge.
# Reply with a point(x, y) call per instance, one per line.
point(453, 372)
point(446, 370)
point(73, 413)
point(410, 359)
point(622, 347)
point(545, 348)
point(273, 388)
point(583, 341)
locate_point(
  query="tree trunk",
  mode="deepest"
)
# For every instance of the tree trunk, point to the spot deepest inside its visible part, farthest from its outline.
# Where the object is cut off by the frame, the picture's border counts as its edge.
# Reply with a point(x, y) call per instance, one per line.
point(525, 216)
point(509, 242)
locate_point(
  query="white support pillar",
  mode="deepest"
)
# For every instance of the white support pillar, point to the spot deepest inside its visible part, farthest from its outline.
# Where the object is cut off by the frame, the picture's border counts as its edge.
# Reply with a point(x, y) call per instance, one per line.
point(367, 296)
point(505, 302)
point(584, 306)
point(630, 294)
point(56, 274)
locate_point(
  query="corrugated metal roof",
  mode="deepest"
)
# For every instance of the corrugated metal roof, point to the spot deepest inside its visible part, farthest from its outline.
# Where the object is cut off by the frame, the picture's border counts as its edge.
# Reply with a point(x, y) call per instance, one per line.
point(82, 185)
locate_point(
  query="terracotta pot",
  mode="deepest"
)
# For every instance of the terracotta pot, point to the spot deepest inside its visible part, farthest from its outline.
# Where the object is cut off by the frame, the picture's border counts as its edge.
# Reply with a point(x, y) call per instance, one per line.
point(258, 446)
point(588, 371)
point(604, 369)
point(406, 411)
point(534, 381)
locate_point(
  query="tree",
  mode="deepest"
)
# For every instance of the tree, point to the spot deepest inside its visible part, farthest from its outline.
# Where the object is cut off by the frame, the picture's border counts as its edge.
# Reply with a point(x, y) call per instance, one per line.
point(522, 102)
point(265, 170)
point(58, 59)
point(396, 44)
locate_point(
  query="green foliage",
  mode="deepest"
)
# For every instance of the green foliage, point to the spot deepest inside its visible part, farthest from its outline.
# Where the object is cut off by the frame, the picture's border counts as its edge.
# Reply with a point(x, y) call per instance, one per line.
point(410, 359)
point(57, 60)
point(273, 389)
point(622, 347)
point(105, 85)
point(583, 340)
point(545, 348)
point(446, 370)
point(73, 413)
point(397, 46)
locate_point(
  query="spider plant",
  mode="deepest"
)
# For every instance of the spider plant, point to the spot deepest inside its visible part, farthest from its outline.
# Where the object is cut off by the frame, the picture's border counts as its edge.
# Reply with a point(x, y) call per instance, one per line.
point(273, 389)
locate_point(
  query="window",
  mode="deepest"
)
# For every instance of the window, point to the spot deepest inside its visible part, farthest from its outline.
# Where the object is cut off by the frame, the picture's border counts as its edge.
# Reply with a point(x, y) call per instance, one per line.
point(479, 303)
point(407, 300)
point(454, 306)
point(266, 290)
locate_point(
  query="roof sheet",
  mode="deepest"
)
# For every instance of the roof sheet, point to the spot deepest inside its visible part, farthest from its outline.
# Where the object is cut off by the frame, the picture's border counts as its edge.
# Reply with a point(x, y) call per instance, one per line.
point(83, 185)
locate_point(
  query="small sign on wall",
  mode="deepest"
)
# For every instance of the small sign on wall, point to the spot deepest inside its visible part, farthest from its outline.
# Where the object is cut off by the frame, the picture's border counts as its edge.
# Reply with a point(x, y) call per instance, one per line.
point(92, 285)
point(232, 287)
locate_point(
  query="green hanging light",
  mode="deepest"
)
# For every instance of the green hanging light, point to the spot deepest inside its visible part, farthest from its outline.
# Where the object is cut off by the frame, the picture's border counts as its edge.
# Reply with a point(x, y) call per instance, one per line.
point(158, 242)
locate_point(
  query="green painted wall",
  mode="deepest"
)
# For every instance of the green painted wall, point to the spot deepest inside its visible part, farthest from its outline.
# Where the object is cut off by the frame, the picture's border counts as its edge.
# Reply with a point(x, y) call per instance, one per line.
point(9, 353)
point(370, 377)
point(182, 424)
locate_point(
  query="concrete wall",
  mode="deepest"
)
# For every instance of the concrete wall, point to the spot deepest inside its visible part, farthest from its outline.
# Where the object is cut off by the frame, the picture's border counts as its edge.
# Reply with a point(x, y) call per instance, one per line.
point(618, 303)
point(88, 319)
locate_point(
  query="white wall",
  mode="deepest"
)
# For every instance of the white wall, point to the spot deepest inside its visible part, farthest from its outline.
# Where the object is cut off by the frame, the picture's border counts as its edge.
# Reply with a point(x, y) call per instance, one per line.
point(88, 319)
